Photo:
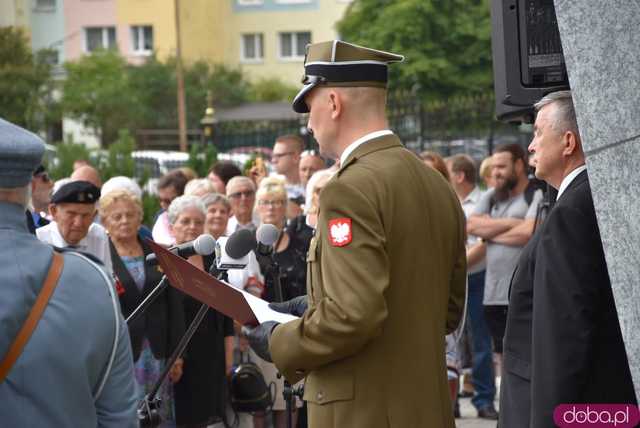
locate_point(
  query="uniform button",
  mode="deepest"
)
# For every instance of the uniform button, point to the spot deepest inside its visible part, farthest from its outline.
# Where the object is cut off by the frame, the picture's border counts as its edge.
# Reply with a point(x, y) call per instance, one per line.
point(320, 396)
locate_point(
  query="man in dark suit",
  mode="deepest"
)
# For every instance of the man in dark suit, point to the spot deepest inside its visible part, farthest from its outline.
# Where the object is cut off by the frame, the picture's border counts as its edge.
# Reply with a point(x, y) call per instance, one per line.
point(563, 342)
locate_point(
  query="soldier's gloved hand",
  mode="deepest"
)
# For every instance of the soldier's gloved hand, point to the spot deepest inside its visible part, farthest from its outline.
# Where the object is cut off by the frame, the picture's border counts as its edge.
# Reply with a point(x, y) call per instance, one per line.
point(296, 306)
point(259, 338)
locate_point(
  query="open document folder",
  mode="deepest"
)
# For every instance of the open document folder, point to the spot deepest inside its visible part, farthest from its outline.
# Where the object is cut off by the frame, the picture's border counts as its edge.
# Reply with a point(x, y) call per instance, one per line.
point(238, 305)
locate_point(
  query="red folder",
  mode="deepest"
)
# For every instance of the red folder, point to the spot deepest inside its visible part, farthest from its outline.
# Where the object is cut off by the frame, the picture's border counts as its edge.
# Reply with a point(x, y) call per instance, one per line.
point(203, 287)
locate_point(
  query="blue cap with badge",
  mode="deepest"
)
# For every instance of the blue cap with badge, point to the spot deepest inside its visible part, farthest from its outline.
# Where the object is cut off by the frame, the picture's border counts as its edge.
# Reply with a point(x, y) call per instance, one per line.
point(21, 152)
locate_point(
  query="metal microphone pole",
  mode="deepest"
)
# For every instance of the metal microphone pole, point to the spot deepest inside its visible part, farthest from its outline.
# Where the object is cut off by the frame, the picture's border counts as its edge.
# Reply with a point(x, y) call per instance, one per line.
point(288, 392)
point(149, 299)
point(148, 415)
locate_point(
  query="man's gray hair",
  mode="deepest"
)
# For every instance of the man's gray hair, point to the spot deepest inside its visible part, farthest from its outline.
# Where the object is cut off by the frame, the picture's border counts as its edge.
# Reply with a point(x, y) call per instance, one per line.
point(182, 203)
point(239, 180)
point(565, 116)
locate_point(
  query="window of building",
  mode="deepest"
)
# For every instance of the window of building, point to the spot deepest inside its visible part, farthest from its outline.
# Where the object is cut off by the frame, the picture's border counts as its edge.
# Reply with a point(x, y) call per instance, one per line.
point(293, 45)
point(142, 39)
point(252, 47)
point(100, 38)
point(45, 4)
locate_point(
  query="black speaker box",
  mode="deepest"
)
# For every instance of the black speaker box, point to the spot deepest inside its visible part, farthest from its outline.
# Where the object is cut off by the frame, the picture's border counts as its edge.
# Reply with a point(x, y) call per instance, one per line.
point(527, 56)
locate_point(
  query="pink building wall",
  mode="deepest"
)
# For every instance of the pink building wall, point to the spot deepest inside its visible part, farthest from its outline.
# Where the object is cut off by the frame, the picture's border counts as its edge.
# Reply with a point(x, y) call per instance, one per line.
point(80, 14)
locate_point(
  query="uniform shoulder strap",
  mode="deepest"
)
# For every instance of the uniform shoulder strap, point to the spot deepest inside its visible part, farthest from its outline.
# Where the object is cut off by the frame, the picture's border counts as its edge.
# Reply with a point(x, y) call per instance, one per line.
point(15, 350)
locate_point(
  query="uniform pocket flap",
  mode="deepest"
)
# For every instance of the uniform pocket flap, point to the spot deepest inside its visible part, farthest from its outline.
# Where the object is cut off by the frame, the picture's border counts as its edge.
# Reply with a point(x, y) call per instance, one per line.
point(329, 384)
point(517, 366)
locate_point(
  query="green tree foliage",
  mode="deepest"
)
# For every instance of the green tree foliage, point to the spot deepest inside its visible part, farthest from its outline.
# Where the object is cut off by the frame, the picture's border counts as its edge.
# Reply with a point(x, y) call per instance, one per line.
point(271, 90)
point(201, 158)
point(23, 79)
point(67, 153)
point(446, 44)
point(119, 160)
point(98, 92)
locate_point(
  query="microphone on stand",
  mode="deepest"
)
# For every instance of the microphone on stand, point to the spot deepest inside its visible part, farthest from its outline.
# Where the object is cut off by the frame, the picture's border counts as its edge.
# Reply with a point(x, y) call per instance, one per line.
point(203, 245)
point(266, 237)
point(233, 252)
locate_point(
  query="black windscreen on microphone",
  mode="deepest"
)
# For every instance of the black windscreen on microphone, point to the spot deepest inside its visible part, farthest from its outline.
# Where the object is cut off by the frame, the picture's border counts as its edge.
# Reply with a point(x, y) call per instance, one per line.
point(240, 244)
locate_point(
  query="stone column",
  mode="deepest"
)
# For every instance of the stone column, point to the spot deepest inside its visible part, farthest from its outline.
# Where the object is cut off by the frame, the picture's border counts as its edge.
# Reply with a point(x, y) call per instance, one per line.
point(601, 44)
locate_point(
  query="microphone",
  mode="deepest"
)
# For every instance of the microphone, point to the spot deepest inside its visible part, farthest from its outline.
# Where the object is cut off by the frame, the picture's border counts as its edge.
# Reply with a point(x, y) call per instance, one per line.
point(266, 237)
point(203, 245)
point(233, 252)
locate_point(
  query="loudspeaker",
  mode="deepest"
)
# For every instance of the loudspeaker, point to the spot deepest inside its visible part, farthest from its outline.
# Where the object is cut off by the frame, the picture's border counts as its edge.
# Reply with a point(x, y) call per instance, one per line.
point(527, 56)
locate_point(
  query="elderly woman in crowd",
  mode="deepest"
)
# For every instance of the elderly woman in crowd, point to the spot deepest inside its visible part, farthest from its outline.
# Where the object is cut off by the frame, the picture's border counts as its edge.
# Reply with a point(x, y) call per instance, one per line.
point(199, 187)
point(290, 256)
point(156, 332)
point(199, 395)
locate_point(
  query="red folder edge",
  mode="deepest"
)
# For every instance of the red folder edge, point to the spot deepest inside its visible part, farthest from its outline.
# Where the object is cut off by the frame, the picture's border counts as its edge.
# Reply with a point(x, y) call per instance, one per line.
point(203, 287)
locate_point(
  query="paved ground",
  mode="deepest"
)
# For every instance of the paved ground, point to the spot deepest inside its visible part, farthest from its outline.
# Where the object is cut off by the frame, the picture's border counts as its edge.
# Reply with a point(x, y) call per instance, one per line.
point(470, 418)
point(469, 415)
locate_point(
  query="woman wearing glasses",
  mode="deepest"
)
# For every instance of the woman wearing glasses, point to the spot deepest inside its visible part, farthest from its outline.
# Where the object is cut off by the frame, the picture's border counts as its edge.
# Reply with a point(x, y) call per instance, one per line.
point(290, 256)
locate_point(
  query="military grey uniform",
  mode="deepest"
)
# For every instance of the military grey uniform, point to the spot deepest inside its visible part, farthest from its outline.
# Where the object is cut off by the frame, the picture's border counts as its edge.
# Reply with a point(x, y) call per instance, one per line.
point(53, 382)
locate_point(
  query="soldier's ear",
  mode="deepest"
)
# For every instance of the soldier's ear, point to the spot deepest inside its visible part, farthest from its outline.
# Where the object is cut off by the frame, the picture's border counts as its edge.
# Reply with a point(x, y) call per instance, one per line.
point(335, 104)
point(53, 210)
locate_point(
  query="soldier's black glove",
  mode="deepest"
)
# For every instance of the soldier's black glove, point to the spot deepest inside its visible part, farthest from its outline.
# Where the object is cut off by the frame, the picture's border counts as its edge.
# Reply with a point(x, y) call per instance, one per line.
point(259, 338)
point(296, 306)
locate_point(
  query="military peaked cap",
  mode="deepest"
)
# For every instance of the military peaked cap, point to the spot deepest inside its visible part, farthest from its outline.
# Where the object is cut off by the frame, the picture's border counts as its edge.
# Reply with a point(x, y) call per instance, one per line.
point(76, 192)
point(338, 63)
point(20, 154)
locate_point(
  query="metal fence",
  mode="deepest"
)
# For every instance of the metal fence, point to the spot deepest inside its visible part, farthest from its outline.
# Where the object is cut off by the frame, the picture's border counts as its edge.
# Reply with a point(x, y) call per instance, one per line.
point(463, 125)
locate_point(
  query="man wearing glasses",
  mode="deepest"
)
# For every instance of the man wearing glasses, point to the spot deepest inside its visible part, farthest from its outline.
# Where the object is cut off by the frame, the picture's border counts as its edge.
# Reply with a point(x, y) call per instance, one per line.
point(241, 192)
point(41, 186)
point(286, 159)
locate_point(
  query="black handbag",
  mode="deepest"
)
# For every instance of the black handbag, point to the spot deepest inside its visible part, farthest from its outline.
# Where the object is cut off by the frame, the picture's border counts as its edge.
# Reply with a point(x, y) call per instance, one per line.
point(248, 390)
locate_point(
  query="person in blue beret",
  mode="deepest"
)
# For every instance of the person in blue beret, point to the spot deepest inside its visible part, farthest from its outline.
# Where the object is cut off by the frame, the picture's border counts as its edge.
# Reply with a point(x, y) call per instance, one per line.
point(71, 366)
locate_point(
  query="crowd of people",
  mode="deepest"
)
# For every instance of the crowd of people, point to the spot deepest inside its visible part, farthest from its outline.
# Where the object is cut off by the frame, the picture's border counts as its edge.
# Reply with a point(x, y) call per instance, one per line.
point(105, 221)
point(381, 256)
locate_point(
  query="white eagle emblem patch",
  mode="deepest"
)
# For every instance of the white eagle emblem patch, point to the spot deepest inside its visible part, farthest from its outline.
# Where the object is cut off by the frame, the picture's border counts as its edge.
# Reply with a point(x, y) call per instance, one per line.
point(340, 231)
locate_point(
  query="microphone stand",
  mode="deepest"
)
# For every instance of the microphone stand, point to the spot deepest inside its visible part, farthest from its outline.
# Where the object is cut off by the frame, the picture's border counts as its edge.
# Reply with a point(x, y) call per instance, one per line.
point(288, 392)
point(148, 408)
point(149, 299)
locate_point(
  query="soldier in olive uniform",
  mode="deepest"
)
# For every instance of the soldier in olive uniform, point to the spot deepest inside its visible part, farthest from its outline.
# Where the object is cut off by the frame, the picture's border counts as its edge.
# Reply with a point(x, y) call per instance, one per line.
point(75, 368)
point(386, 268)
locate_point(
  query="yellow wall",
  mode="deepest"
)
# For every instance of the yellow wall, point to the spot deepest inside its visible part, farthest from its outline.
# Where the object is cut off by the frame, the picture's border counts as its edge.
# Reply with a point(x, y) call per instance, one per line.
point(204, 27)
point(211, 30)
point(158, 13)
point(321, 22)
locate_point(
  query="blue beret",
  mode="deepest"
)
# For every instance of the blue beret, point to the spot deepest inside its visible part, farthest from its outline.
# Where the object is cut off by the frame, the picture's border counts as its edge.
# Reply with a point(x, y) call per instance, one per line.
point(76, 192)
point(20, 154)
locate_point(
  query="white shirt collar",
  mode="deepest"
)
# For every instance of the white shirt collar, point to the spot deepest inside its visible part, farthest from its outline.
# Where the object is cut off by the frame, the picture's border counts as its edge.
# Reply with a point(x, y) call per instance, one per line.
point(568, 179)
point(473, 196)
point(360, 141)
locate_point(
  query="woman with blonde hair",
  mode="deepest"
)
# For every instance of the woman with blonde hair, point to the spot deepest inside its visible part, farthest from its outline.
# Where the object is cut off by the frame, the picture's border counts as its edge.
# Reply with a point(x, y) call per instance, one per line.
point(155, 333)
point(290, 257)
